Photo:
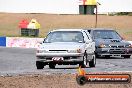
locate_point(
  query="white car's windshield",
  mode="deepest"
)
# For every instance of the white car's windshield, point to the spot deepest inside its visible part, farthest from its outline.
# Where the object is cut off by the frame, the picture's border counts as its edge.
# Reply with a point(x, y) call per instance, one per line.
point(106, 34)
point(65, 36)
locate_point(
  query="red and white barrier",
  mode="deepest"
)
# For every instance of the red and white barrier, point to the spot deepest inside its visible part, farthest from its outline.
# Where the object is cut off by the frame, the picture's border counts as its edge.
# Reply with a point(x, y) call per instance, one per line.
point(26, 42)
point(23, 42)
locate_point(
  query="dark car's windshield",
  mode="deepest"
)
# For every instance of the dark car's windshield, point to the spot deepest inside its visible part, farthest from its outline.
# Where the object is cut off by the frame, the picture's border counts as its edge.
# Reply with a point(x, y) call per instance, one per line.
point(65, 36)
point(106, 34)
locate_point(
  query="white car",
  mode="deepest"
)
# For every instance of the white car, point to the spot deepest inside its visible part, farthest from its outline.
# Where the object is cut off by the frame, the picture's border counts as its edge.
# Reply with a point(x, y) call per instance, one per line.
point(66, 47)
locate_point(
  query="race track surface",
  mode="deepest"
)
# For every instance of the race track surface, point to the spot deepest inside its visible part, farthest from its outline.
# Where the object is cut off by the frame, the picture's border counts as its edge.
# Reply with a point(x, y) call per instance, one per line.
point(14, 61)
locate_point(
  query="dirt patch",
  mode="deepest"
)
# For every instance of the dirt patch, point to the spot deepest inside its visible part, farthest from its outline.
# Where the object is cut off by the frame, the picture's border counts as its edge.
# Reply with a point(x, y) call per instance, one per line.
point(52, 81)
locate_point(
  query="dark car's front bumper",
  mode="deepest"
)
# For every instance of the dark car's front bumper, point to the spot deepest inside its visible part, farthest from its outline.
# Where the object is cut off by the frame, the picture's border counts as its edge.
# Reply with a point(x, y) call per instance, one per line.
point(113, 51)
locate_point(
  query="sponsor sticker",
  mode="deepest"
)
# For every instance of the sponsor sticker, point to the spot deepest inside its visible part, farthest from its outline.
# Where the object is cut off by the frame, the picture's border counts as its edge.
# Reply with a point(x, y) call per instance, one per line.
point(57, 58)
point(83, 78)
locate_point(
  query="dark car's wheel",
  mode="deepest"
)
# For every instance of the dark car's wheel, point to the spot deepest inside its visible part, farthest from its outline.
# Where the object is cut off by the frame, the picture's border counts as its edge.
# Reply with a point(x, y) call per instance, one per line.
point(97, 56)
point(92, 63)
point(52, 66)
point(39, 65)
point(127, 56)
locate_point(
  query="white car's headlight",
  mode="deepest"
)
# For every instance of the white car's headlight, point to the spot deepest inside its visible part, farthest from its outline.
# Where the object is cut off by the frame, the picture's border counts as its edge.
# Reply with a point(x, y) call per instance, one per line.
point(79, 50)
point(42, 51)
point(72, 51)
point(75, 51)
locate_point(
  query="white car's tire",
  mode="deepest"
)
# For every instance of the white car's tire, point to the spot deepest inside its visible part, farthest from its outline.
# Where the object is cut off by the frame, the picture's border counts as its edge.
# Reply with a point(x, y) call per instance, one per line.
point(52, 66)
point(85, 61)
point(39, 65)
point(92, 63)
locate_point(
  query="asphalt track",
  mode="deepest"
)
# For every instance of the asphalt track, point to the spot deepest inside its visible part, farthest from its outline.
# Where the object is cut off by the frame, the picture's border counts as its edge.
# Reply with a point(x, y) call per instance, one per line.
point(16, 61)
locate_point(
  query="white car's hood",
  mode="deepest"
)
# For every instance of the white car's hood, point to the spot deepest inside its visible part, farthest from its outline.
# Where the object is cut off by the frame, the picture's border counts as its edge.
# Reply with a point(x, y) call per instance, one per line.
point(62, 46)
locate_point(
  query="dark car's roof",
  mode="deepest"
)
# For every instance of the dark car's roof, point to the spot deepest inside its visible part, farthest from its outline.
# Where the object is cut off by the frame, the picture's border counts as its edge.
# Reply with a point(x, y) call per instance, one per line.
point(99, 29)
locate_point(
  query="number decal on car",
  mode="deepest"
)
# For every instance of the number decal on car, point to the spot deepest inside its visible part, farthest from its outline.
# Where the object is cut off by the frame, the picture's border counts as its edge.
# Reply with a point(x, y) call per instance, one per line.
point(57, 58)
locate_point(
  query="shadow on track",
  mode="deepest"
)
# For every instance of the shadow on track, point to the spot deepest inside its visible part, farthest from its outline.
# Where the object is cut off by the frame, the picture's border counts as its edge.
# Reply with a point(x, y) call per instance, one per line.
point(68, 67)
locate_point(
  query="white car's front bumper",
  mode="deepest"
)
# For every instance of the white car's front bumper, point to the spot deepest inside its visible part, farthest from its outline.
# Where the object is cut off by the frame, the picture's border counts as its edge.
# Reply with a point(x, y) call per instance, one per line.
point(68, 58)
point(59, 54)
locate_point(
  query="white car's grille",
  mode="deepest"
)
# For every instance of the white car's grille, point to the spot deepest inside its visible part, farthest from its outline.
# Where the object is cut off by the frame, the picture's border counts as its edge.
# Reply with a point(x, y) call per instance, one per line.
point(57, 51)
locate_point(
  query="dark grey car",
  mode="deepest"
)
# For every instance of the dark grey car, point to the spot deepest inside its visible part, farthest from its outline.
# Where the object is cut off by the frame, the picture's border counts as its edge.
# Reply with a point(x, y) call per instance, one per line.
point(109, 43)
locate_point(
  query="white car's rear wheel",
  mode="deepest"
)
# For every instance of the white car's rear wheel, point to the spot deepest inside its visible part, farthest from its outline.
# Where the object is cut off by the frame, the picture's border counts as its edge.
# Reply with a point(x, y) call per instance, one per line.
point(85, 61)
point(92, 63)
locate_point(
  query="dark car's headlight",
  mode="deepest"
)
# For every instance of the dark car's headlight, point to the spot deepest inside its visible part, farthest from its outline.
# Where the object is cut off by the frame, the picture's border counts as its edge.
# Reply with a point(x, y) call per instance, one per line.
point(128, 46)
point(103, 45)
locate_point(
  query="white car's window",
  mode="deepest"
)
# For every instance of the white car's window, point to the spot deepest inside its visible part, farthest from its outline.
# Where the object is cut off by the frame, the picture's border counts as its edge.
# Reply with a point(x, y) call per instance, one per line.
point(65, 36)
point(87, 35)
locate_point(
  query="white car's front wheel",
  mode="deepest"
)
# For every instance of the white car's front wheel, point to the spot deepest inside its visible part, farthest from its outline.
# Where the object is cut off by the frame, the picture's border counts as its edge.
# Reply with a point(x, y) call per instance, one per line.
point(39, 65)
point(52, 66)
